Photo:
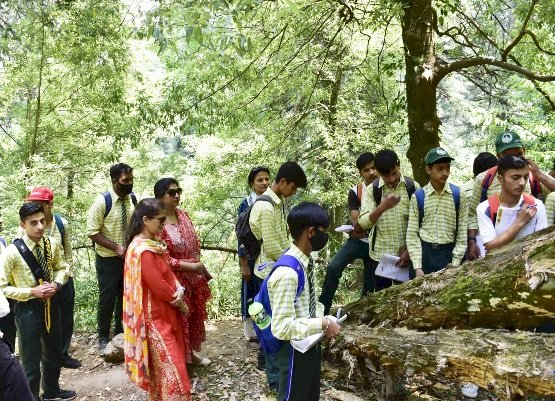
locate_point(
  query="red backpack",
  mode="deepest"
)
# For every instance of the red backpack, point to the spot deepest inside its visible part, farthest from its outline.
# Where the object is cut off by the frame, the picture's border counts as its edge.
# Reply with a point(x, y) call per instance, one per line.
point(493, 205)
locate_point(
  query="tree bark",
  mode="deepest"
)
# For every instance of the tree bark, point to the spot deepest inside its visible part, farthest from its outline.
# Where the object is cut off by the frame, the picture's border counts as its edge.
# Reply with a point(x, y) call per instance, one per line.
point(512, 287)
point(510, 364)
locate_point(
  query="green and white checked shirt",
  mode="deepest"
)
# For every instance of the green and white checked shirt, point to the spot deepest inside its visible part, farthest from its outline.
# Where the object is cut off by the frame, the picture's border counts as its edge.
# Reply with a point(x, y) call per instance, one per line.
point(550, 209)
point(494, 188)
point(111, 226)
point(290, 321)
point(16, 278)
point(438, 224)
point(269, 223)
point(392, 225)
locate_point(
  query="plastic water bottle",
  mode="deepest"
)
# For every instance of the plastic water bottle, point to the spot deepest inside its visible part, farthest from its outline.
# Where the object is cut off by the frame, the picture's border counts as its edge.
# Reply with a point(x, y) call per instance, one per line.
point(259, 315)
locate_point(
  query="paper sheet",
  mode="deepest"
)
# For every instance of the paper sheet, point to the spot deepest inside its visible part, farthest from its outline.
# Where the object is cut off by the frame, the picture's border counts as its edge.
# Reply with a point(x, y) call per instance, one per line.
point(507, 216)
point(307, 343)
point(345, 228)
point(386, 268)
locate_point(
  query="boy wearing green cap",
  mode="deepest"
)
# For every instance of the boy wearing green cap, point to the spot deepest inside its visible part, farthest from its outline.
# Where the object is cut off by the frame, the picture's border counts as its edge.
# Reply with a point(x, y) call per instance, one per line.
point(486, 184)
point(436, 232)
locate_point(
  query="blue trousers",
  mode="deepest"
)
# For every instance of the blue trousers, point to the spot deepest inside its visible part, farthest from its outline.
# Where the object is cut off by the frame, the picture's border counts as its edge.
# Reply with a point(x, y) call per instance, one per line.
point(13, 383)
point(436, 256)
point(351, 250)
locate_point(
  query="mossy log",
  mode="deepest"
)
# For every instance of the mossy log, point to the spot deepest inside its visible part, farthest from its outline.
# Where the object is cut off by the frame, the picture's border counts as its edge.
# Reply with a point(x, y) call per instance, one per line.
point(511, 364)
point(513, 287)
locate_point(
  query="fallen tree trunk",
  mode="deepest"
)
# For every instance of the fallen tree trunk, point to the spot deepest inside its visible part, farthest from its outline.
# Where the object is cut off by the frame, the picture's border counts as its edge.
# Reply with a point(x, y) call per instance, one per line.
point(513, 287)
point(508, 363)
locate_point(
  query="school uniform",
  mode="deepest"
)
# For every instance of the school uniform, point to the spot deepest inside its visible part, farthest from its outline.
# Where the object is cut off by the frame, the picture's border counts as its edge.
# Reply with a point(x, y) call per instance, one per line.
point(299, 374)
point(441, 240)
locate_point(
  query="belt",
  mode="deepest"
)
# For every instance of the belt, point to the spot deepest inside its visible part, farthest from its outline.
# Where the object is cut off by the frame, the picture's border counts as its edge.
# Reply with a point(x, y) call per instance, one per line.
point(439, 246)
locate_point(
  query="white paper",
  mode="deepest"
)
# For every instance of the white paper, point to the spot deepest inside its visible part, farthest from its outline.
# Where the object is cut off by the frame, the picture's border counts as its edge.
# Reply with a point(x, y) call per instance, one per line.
point(386, 268)
point(507, 216)
point(345, 228)
point(307, 343)
point(480, 245)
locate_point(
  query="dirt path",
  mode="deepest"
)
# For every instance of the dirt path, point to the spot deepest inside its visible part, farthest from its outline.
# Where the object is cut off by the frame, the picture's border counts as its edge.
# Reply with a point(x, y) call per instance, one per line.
point(232, 375)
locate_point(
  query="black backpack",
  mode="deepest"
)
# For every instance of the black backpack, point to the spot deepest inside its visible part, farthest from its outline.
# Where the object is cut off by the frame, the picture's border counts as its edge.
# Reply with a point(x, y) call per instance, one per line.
point(247, 241)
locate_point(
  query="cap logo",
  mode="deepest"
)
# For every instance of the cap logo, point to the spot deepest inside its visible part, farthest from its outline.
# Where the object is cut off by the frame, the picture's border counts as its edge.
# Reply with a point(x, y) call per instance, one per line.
point(440, 151)
point(507, 138)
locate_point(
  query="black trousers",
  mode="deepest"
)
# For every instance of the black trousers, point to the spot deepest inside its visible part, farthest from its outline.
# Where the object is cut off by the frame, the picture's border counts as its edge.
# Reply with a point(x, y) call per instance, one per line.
point(7, 324)
point(38, 346)
point(299, 374)
point(13, 383)
point(109, 273)
point(436, 256)
point(66, 297)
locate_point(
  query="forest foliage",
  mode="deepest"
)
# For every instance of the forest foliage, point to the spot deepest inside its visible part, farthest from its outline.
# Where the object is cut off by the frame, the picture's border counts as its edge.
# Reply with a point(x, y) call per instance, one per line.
point(204, 90)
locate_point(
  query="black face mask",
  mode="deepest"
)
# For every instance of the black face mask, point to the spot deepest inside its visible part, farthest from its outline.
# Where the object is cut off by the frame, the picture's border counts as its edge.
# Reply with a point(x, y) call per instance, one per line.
point(319, 240)
point(125, 189)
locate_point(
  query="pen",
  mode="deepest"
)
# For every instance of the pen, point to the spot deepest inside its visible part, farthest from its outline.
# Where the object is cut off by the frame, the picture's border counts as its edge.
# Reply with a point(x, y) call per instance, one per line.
point(338, 313)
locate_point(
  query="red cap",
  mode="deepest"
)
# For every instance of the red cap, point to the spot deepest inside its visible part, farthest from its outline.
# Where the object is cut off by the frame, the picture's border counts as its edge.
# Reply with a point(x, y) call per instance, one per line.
point(41, 194)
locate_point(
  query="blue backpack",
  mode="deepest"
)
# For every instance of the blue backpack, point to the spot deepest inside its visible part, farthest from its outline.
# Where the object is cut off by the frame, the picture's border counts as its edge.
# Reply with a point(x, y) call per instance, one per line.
point(269, 343)
point(455, 191)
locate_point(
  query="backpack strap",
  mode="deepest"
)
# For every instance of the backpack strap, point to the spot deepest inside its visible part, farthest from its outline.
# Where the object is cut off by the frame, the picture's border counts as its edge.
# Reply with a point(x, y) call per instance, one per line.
point(107, 202)
point(359, 192)
point(133, 199)
point(456, 193)
point(535, 187)
point(486, 182)
point(30, 259)
point(493, 207)
point(410, 186)
point(528, 199)
point(3, 242)
point(377, 194)
point(420, 195)
point(296, 265)
point(60, 225)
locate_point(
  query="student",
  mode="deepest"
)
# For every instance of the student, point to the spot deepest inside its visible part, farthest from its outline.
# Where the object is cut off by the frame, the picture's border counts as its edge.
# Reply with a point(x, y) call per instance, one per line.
point(482, 162)
point(105, 228)
point(34, 280)
point(14, 385)
point(506, 143)
point(268, 223)
point(512, 174)
point(7, 322)
point(436, 233)
point(56, 226)
point(299, 374)
point(385, 209)
point(356, 246)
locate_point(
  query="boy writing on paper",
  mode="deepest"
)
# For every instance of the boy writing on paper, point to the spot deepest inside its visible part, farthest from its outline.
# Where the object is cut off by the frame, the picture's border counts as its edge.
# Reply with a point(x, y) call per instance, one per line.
point(294, 319)
point(512, 174)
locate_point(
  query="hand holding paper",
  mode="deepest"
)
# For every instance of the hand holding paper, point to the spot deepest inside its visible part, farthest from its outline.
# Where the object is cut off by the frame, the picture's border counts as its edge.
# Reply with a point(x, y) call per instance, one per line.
point(307, 343)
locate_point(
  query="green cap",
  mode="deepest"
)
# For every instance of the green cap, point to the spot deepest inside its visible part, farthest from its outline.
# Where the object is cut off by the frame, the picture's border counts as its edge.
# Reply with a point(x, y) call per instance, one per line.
point(507, 140)
point(436, 154)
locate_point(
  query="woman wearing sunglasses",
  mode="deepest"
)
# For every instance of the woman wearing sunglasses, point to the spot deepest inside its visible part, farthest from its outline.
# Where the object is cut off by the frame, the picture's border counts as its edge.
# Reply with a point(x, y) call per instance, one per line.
point(184, 258)
point(153, 305)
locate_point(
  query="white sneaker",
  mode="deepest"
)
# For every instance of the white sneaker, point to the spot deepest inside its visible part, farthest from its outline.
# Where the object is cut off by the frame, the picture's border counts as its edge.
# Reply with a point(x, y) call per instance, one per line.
point(469, 390)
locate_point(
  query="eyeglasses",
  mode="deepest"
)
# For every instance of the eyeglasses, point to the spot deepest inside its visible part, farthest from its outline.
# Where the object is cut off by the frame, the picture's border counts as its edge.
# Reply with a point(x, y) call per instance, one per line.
point(174, 191)
point(162, 219)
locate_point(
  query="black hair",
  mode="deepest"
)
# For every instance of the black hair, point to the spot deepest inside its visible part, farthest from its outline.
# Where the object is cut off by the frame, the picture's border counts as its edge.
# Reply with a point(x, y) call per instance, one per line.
point(483, 162)
point(148, 207)
point(28, 209)
point(364, 159)
point(118, 169)
point(292, 172)
point(305, 215)
point(254, 172)
point(510, 162)
point(162, 186)
point(386, 160)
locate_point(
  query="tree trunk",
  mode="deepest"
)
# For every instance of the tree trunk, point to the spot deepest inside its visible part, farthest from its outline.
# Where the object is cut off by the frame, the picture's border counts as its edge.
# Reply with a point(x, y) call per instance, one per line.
point(512, 287)
point(420, 83)
point(510, 364)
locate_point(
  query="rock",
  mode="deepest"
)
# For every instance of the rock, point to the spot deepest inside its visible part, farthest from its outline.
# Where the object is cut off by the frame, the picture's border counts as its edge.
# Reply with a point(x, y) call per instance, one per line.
point(114, 350)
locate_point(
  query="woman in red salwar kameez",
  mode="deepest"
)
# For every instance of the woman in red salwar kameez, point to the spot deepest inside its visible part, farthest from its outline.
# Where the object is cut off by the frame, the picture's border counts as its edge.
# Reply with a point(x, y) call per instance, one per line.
point(152, 308)
point(184, 258)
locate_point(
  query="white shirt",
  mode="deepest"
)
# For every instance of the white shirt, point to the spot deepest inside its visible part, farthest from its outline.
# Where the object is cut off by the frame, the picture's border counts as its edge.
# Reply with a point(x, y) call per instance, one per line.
point(489, 232)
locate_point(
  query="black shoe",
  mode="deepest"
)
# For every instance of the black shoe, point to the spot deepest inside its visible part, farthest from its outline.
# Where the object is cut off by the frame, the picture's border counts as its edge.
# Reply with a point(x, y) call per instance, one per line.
point(102, 342)
point(70, 363)
point(65, 395)
point(260, 365)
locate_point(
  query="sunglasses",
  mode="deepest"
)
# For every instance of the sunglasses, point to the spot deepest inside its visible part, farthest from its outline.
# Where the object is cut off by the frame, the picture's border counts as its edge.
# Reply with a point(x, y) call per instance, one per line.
point(162, 219)
point(174, 191)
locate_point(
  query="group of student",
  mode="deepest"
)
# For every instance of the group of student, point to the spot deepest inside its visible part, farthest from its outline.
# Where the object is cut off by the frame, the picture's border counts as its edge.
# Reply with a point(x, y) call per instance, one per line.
point(36, 277)
point(426, 228)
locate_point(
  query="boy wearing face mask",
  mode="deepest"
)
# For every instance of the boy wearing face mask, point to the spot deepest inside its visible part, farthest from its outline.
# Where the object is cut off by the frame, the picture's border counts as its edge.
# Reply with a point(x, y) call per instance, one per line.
point(294, 319)
point(106, 223)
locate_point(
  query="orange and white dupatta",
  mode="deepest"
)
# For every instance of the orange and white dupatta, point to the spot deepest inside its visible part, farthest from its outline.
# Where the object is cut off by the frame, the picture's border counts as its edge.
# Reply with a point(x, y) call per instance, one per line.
point(134, 327)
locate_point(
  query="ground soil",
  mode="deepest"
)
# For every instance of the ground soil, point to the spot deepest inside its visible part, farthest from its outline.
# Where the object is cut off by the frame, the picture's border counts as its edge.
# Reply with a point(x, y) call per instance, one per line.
point(232, 375)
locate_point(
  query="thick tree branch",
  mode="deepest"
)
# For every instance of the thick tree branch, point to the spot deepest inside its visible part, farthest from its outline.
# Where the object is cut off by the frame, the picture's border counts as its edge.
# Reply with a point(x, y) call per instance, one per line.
point(523, 30)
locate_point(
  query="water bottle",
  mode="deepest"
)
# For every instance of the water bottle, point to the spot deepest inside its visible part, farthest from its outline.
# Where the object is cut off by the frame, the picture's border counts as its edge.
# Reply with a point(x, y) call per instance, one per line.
point(259, 315)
